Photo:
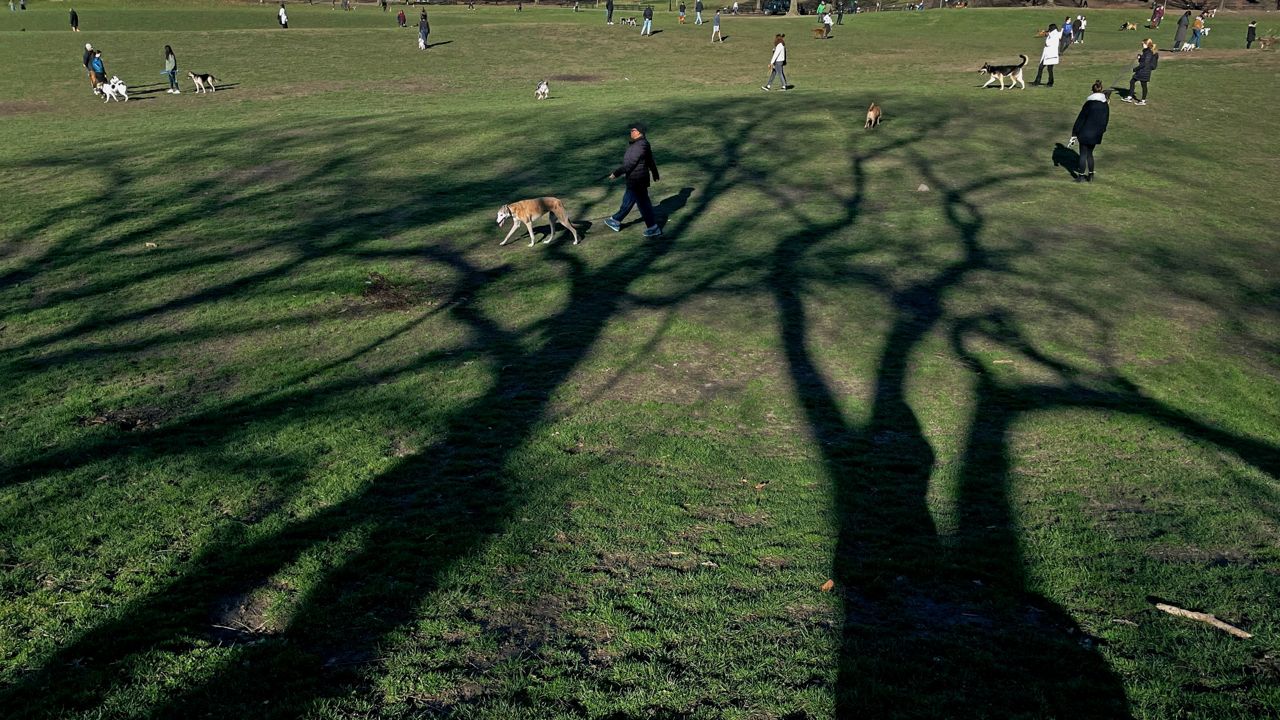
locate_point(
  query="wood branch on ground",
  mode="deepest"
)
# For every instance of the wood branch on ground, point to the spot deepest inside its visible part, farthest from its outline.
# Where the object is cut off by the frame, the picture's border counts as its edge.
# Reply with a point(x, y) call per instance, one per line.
point(1204, 618)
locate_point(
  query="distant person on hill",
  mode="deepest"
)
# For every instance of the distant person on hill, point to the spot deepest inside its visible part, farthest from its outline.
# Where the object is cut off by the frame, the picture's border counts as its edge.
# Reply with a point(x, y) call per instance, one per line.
point(1197, 30)
point(1155, 14)
point(826, 25)
point(284, 19)
point(98, 67)
point(735, 7)
point(821, 9)
point(840, 12)
point(1068, 35)
point(75, 21)
point(681, 11)
point(1159, 16)
point(88, 67)
point(1077, 29)
point(11, 7)
point(575, 5)
point(424, 29)
point(22, 4)
point(401, 20)
point(648, 21)
point(1251, 35)
point(608, 12)
point(1147, 61)
point(1049, 56)
point(519, 5)
point(715, 28)
point(1090, 126)
point(637, 167)
point(1180, 36)
point(697, 12)
point(777, 63)
point(171, 70)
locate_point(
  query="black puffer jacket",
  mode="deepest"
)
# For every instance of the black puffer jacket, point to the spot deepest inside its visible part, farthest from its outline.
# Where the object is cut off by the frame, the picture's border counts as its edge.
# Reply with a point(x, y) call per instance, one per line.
point(1146, 63)
point(1091, 123)
point(638, 164)
point(648, 12)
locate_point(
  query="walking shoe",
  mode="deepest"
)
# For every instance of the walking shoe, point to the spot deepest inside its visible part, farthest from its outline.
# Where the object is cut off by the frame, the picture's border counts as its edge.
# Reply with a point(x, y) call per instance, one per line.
point(1089, 177)
point(612, 224)
point(653, 232)
point(177, 92)
point(762, 87)
point(1141, 102)
point(1128, 99)
point(783, 88)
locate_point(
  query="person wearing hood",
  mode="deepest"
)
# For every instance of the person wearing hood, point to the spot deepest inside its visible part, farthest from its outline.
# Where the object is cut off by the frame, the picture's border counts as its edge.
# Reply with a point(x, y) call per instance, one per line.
point(1090, 126)
point(1180, 36)
point(1251, 35)
point(637, 167)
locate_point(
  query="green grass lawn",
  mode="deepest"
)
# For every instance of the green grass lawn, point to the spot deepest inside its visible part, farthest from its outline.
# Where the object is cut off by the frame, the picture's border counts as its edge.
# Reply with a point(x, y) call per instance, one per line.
point(285, 433)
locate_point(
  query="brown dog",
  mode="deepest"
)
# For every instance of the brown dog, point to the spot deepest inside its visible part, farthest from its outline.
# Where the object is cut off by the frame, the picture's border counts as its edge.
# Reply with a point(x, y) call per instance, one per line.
point(1128, 26)
point(1042, 33)
point(873, 116)
point(819, 33)
point(528, 211)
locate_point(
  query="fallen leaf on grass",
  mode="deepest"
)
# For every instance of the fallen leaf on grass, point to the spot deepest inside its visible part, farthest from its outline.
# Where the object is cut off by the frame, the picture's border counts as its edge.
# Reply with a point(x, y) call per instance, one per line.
point(760, 486)
point(150, 245)
point(827, 586)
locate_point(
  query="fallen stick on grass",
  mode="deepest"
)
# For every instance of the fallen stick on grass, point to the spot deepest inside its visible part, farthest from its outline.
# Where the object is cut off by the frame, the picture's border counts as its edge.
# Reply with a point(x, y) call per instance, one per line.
point(1204, 618)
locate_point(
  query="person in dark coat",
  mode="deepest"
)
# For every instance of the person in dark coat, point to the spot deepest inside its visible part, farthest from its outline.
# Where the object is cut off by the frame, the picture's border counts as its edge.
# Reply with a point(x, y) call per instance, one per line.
point(1251, 35)
point(424, 29)
point(1142, 74)
point(647, 28)
point(1090, 126)
point(637, 167)
point(608, 12)
point(75, 21)
point(1180, 36)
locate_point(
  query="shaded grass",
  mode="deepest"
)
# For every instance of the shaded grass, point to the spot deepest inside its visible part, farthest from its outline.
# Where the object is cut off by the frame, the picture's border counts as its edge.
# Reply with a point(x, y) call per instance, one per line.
point(609, 480)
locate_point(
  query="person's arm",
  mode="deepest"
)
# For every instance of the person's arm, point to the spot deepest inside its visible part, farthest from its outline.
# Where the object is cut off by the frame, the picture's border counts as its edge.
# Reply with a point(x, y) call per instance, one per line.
point(653, 165)
point(1075, 129)
point(629, 161)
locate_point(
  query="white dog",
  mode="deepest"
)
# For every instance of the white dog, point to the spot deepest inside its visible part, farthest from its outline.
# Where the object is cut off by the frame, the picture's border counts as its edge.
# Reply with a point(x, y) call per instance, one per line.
point(543, 92)
point(114, 89)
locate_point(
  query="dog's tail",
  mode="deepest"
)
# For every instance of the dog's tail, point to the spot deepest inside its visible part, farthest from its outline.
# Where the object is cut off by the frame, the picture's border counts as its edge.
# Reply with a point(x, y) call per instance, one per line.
point(1024, 60)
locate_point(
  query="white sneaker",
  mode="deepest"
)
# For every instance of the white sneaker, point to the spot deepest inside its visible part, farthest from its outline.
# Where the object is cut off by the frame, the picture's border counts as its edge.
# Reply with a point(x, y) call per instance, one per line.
point(177, 92)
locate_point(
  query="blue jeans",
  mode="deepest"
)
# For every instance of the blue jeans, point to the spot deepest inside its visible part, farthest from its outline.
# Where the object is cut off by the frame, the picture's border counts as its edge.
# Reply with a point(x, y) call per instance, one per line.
point(1195, 38)
point(633, 197)
point(697, 20)
point(778, 73)
point(173, 79)
point(648, 27)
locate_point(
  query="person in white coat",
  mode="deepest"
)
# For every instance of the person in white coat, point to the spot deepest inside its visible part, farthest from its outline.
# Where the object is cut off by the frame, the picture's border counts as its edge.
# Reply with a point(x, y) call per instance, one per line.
point(1049, 56)
point(777, 63)
point(284, 19)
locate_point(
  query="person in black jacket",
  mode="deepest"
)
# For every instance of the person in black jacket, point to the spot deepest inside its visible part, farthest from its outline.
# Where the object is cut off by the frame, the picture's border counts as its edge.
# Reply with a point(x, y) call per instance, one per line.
point(637, 166)
point(1090, 125)
point(75, 21)
point(608, 12)
point(647, 28)
point(1251, 35)
point(1142, 74)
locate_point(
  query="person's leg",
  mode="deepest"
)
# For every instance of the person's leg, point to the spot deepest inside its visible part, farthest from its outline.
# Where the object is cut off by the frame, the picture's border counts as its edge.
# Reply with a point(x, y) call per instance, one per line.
point(1082, 168)
point(1144, 90)
point(1039, 72)
point(772, 74)
point(646, 209)
point(628, 202)
point(782, 75)
point(1050, 76)
point(1088, 152)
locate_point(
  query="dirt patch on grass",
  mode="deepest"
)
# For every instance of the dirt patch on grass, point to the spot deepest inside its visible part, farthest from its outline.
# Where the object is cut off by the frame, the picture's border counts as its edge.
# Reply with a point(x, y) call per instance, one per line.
point(737, 518)
point(127, 419)
point(382, 292)
point(21, 107)
point(242, 617)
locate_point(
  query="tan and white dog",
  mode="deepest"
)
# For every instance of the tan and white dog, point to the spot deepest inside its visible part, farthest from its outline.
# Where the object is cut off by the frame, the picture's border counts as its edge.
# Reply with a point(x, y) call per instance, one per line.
point(201, 80)
point(873, 116)
point(529, 211)
point(1000, 72)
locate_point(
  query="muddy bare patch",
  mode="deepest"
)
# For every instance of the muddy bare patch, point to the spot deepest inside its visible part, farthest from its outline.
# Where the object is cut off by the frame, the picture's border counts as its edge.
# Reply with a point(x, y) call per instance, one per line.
point(21, 107)
point(382, 292)
point(126, 419)
point(242, 617)
point(736, 518)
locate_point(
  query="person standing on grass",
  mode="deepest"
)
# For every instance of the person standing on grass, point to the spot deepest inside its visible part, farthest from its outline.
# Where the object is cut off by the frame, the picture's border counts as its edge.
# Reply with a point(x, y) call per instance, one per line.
point(171, 70)
point(1180, 37)
point(1048, 56)
point(1197, 30)
point(284, 19)
point(75, 21)
point(697, 12)
point(648, 21)
point(821, 9)
point(1159, 16)
point(1090, 126)
point(715, 28)
point(735, 7)
point(840, 12)
point(1251, 35)
point(401, 20)
point(424, 29)
point(1082, 24)
point(826, 25)
point(637, 167)
point(1068, 35)
point(681, 13)
point(1147, 61)
point(608, 12)
point(777, 63)
point(99, 68)
point(88, 67)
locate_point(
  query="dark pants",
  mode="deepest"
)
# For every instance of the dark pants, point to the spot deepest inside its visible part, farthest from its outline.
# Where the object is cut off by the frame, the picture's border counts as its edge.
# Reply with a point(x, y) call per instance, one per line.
point(1248, 44)
point(608, 15)
point(173, 79)
point(840, 19)
point(637, 196)
point(1040, 70)
point(1086, 159)
point(1134, 80)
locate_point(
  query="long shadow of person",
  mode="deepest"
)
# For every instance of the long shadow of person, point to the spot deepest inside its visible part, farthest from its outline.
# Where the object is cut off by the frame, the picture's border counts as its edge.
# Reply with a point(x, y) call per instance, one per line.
point(1066, 158)
point(671, 205)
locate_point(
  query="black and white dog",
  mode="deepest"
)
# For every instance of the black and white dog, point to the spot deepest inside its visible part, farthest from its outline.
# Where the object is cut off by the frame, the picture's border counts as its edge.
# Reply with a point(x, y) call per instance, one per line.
point(114, 89)
point(543, 91)
point(201, 80)
point(1000, 72)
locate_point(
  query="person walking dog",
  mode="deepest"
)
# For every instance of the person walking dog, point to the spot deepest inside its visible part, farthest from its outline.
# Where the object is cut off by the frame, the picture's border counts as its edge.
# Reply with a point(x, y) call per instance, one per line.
point(777, 63)
point(171, 70)
point(1147, 61)
point(1049, 56)
point(424, 29)
point(1180, 36)
point(1090, 125)
point(637, 167)
point(88, 67)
